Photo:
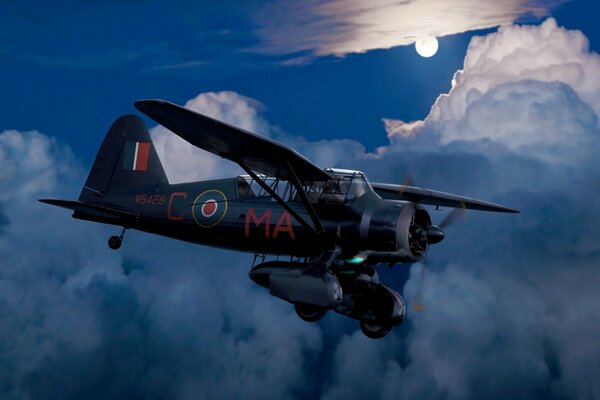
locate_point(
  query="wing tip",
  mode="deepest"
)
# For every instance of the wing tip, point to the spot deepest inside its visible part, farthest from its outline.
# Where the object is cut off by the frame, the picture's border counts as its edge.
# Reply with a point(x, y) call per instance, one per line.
point(503, 209)
point(49, 201)
point(491, 207)
point(145, 104)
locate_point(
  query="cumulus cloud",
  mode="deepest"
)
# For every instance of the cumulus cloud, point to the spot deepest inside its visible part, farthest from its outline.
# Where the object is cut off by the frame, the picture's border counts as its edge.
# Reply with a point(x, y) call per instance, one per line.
point(159, 319)
point(512, 83)
point(511, 300)
point(339, 27)
point(183, 162)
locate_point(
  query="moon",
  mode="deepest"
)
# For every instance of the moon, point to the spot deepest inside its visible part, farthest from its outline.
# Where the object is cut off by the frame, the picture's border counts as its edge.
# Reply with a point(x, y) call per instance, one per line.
point(427, 47)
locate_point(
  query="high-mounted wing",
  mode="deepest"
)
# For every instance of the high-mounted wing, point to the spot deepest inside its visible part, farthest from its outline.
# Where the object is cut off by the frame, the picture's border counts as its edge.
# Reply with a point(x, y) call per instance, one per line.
point(255, 152)
point(432, 197)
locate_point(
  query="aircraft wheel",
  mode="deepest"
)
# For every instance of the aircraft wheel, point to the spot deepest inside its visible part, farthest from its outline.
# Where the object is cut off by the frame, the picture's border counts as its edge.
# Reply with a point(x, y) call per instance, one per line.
point(309, 313)
point(374, 330)
point(114, 242)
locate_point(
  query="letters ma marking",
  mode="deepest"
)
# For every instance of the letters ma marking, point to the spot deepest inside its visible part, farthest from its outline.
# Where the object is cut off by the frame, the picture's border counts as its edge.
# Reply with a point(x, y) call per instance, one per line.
point(284, 224)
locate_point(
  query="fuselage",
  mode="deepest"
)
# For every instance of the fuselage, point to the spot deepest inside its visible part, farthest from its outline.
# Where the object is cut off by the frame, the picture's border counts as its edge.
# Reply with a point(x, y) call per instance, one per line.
point(215, 213)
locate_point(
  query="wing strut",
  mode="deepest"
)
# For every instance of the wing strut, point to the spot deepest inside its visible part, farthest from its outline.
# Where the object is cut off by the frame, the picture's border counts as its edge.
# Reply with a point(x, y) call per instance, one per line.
point(307, 204)
point(279, 200)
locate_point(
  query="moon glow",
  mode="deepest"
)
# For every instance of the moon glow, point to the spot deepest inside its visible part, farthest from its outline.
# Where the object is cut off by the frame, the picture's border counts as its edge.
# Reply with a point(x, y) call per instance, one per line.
point(427, 47)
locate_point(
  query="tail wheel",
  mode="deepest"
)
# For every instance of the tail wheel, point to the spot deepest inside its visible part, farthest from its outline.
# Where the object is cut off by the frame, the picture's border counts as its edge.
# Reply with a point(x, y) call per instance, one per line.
point(374, 330)
point(309, 313)
point(114, 242)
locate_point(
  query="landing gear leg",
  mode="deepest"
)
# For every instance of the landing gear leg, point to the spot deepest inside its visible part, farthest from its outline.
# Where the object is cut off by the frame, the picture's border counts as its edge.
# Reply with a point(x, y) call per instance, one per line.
point(114, 242)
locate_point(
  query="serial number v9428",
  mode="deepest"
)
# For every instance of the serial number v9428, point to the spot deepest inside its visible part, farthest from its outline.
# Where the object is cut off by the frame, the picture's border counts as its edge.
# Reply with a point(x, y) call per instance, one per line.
point(150, 199)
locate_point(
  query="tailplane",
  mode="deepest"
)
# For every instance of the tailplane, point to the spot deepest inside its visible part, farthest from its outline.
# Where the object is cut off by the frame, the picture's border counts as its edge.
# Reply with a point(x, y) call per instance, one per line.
point(127, 158)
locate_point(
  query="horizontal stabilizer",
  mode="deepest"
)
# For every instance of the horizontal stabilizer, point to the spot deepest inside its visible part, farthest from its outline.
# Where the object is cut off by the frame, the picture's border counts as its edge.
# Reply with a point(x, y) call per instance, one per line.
point(258, 153)
point(94, 212)
point(435, 198)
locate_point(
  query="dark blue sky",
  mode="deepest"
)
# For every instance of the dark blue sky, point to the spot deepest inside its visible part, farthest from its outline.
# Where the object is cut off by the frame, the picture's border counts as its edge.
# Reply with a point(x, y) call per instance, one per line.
point(69, 68)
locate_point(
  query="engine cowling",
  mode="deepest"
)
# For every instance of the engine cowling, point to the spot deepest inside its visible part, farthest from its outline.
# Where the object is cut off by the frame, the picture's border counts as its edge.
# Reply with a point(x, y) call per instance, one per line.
point(394, 231)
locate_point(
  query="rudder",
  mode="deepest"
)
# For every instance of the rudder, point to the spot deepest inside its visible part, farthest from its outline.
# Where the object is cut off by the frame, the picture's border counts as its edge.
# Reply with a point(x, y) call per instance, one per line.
point(127, 158)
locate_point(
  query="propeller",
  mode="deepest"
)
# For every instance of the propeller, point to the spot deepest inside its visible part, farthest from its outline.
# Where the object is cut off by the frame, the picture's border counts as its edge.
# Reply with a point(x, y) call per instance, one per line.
point(417, 303)
point(436, 233)
point(408, 181)
point(453, 216)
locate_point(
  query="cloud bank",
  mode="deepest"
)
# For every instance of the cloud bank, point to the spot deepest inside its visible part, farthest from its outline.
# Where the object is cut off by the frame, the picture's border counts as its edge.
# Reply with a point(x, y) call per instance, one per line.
point(512, 300)
point(340, 27)
point(160, 319)
point(512, 83)
point(184, 162)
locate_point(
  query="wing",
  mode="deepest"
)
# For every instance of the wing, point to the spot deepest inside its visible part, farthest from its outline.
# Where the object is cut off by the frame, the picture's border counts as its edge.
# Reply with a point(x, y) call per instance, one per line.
point(426, 196)
point(255, 152)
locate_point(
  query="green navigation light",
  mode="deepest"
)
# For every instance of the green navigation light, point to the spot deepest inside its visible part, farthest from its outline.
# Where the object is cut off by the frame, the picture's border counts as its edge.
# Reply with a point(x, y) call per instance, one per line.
point(355, 260)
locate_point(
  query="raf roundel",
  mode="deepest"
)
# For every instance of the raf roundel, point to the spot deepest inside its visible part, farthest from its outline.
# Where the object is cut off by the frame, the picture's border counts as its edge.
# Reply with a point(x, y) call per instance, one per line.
point(209, 208)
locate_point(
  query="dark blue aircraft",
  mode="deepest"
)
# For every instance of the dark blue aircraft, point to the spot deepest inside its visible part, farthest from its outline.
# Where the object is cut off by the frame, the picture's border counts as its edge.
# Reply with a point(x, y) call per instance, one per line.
point(333, 225)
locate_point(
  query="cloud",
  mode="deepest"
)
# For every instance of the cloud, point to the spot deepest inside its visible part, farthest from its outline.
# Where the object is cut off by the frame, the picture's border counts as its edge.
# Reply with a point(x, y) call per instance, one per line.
point(512, 304)
point(186, 65)
point(184, 162)
point(511, 300)
point(528, 71)
point(29, 165)
point(340, 27)
point(159, 319)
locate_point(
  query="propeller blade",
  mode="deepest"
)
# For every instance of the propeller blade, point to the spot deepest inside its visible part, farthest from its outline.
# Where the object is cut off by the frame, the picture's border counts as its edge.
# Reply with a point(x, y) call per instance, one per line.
point(452, 217)
point(408, 181)
point(417, 303)
point(435, 234)
point(418, 307)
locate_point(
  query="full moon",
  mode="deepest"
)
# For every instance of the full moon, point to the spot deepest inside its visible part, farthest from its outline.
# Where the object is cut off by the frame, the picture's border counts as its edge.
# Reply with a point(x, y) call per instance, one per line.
point(427, 47)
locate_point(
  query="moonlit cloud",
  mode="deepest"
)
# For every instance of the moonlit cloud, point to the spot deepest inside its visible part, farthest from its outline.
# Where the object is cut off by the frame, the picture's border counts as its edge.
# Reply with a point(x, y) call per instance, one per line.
point(184, 162)
point(340, 27)
point(511, 83)
point(175, 66)
point(511, 301)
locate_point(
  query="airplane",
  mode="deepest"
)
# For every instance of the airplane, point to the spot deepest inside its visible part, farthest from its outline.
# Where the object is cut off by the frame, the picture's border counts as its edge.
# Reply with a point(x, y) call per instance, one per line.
point(327, 229)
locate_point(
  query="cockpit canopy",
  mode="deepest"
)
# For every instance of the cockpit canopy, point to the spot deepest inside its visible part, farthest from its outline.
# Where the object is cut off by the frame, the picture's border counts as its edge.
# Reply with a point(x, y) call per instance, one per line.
point(344, 187)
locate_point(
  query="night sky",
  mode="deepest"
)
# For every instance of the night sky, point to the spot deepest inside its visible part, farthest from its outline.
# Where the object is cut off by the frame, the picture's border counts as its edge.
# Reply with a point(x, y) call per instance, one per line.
point(506, 111)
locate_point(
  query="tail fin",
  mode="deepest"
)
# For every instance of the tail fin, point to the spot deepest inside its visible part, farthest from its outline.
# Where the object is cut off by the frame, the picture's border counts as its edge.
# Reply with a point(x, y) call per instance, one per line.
point(126, 159)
